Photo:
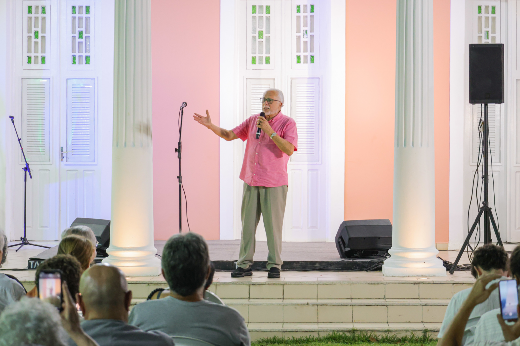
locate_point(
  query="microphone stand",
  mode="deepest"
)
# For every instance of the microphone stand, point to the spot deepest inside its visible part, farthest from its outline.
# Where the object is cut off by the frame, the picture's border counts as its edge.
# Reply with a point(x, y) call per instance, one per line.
point(26, 170)
point(178, 150)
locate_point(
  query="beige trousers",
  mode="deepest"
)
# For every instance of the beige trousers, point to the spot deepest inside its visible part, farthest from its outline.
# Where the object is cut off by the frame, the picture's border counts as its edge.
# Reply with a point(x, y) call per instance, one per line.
point(270, 202)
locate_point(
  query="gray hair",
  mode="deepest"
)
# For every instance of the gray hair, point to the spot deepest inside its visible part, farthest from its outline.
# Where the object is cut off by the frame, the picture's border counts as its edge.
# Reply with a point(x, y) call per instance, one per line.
point(280, 93)
point(31, 321)
point(185, 262)
point(3, 247)
point(81, 230)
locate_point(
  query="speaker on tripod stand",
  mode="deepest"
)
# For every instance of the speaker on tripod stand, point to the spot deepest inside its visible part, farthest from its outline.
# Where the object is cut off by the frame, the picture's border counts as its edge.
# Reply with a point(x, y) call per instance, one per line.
point(486, 85)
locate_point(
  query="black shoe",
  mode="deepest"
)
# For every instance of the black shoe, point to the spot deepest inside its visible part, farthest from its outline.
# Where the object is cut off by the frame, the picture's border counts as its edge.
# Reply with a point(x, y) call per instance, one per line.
point(241, 272)
point(274, 273)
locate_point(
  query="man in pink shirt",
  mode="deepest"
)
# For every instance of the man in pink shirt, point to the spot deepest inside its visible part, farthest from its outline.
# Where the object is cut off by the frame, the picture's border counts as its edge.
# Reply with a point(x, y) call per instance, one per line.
point(264, 172)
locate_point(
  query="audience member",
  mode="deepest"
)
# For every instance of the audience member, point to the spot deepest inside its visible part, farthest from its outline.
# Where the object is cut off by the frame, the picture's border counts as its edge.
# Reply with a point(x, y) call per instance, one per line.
point(488, 259)
point(33, 321)
point(161, 293)
point(105, 301)
point(185, 266)
point(79, 247)
point(82, 231)
point(11, 290)
point(488, 327)
point(70, 269)
point(479, 294)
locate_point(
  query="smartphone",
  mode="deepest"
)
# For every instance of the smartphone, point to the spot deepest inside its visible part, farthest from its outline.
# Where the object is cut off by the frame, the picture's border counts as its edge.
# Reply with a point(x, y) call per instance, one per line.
point(508, 293)
point(49, 287)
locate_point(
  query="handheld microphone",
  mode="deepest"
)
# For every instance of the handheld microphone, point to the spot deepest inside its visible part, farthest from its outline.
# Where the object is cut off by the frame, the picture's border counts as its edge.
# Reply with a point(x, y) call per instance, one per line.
point(259, 129)
point(184, 104)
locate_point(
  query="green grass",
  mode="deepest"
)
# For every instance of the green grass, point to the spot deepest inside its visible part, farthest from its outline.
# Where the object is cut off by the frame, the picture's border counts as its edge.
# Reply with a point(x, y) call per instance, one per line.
point(352, 338)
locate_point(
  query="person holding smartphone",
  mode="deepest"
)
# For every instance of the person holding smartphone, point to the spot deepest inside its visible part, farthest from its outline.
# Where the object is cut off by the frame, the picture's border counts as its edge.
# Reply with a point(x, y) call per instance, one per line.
point(488, 328)
point(45, 323)
point(271, 138)
point(488, 259)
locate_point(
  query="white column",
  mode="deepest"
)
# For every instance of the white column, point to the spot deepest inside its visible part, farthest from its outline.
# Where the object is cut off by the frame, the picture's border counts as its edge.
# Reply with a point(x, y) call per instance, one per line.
point(413, 250)
point(131, 232)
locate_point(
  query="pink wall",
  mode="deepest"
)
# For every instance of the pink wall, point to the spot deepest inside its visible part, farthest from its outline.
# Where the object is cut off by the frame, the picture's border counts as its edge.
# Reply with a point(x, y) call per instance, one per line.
point(370, 109)
point(441, 65)
point(370, 88)
point(185, 61)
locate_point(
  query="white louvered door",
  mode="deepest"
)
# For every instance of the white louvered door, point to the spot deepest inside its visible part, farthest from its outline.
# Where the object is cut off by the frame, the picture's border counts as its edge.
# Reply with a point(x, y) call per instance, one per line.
point(86, 111)
point(80, 172)
point(62, 82)
point(280, 49)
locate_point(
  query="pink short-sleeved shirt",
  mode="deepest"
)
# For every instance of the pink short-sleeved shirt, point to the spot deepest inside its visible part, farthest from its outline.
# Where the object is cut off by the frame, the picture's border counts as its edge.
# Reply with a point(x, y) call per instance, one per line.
point(264, 163)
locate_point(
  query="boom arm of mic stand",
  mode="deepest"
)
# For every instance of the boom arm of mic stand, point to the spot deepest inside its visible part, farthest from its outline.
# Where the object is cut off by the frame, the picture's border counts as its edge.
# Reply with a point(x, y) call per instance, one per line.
point(26, 168)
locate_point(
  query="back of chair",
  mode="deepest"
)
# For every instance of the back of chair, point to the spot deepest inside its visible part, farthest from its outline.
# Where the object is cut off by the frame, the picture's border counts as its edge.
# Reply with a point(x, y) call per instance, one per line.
point(187, 341)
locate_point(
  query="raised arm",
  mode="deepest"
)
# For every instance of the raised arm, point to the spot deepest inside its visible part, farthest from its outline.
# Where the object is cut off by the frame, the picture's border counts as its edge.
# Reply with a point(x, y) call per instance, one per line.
point(478, 294)
point(228, 135)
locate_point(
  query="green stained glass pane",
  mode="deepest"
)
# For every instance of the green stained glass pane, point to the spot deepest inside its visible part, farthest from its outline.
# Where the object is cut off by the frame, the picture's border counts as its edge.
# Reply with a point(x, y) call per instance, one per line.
point(298, 59)
point(267, 60)
point(29, 10)
point(81, 35)
point(29, 60)
point(36, 34)
point(312, 8)
point(480, 10)
point(254, 9)
point(87, 9)
point(73, 9)
point(43, 10)
point(43, 60)
point(298, 9)
point(487, 35)
point(253, 60)
point(267, 9)
point(73, 60)
point(260, 34)
point(492, 9)
point(87, 59)
point(312, 59)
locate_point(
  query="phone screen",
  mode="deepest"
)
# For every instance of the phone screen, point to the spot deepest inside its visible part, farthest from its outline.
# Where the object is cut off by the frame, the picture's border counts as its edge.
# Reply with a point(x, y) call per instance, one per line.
point(508, 299)
point(50, 288)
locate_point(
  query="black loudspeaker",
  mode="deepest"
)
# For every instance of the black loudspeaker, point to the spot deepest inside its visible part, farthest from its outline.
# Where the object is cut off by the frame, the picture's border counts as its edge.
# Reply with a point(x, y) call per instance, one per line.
point(486, 73)
point(364, 238)
point(101, 229)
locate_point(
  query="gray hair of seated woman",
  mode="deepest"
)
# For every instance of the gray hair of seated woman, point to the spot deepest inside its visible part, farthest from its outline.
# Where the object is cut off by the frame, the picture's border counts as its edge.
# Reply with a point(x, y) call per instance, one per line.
point(3, 247)
point(31, 321)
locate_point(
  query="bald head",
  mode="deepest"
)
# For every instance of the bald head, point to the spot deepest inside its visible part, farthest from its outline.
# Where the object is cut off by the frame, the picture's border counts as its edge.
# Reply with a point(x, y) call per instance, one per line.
point(103, 286)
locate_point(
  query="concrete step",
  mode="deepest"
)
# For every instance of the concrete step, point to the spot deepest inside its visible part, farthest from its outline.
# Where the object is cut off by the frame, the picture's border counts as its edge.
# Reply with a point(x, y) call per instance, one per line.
point(340, 310)
point(288, 330)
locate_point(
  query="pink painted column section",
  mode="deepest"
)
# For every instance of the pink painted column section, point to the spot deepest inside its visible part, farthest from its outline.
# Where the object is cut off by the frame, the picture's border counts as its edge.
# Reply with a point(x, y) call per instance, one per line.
point(185, 67)
point(370, 90)
point(370, 104)
point(441, 70)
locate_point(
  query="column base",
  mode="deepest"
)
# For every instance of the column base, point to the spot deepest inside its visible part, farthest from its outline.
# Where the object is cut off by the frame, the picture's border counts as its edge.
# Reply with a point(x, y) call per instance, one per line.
point(413, 262)
point(134, 262)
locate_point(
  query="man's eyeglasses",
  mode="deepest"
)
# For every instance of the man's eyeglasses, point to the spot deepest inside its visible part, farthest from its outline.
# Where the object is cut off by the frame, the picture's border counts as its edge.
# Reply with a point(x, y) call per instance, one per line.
point(269, 101)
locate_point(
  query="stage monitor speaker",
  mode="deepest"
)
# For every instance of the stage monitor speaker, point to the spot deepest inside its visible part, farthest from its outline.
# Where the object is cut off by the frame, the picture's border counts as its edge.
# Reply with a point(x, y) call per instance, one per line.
point(364, 237)
point(486, 73)
point(101, 229)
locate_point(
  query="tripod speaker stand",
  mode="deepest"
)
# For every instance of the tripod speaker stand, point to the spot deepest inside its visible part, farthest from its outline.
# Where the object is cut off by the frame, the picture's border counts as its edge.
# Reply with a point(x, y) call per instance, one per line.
point(486, 86)
point(484, 209)
point(26, 170)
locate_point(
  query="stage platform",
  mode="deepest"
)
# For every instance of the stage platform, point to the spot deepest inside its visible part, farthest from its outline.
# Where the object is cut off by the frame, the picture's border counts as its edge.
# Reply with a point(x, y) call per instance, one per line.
point(304, 303)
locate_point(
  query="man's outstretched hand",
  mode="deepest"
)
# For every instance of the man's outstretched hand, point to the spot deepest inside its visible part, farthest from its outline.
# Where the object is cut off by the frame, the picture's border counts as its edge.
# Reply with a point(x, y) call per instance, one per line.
point(480, 293)
point(205, 121)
